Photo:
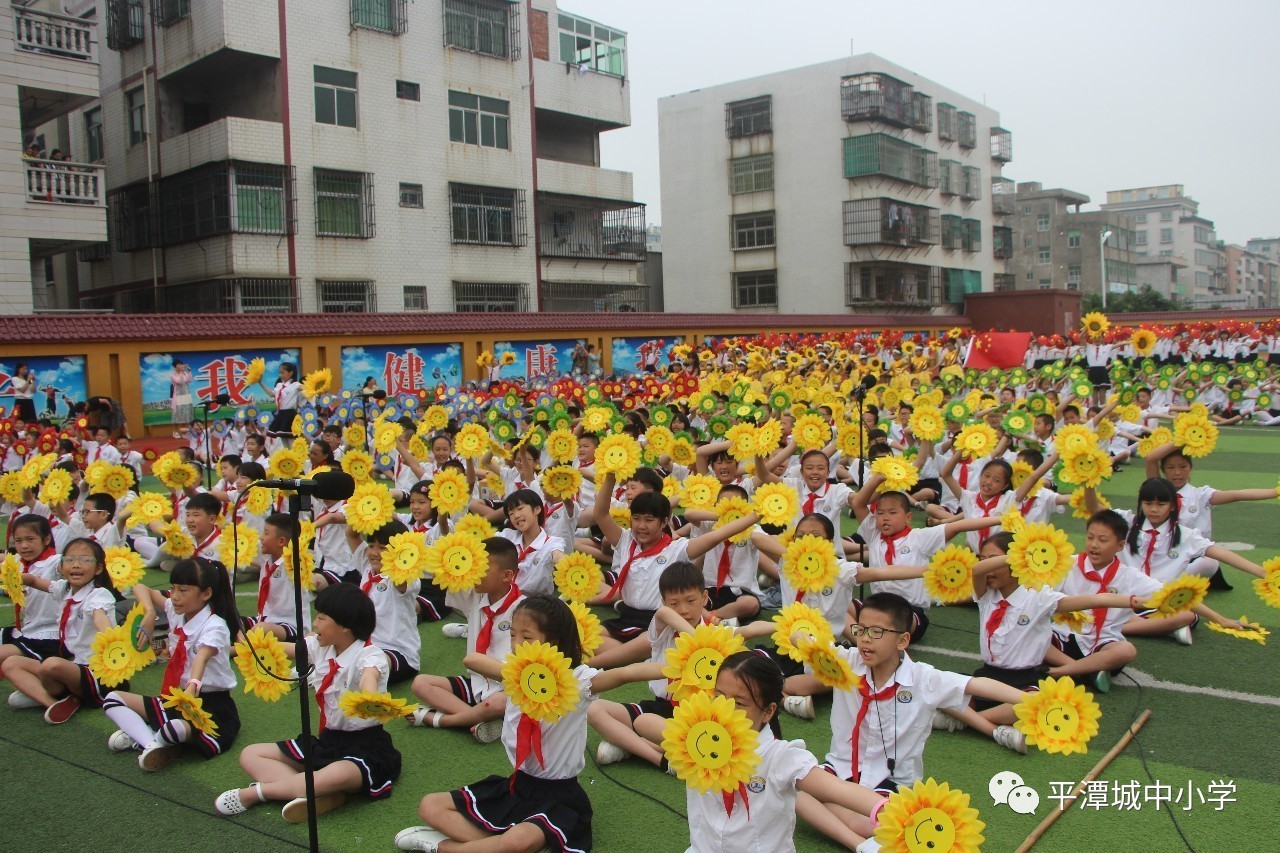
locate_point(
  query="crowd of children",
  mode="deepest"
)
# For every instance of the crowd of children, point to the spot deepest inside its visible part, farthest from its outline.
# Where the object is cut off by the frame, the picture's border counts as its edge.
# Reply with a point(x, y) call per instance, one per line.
point(679, 533)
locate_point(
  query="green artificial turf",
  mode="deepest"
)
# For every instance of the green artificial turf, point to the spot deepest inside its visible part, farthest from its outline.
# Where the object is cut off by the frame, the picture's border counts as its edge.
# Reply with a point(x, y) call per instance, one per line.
point(65, 790)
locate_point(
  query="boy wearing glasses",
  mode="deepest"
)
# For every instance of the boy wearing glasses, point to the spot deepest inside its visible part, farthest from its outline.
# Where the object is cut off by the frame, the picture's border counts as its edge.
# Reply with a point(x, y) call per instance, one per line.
point(879, 729)
point(94, 520)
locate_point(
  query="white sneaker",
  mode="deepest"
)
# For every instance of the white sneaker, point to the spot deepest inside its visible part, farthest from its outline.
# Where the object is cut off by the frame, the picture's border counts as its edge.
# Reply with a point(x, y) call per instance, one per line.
point(422, 838)
point(454, 630)
point(732, 621)
point(1182, 635)
point(868, 846)
point(121, 742)
point(18, 699)
point(799, 706)
point(610, 753)
point(488, 731)
point(947, 723)
point(1010, 738)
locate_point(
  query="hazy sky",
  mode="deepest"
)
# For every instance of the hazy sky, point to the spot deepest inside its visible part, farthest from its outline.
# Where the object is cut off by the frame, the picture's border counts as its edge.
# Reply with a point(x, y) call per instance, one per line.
point(1099, 95)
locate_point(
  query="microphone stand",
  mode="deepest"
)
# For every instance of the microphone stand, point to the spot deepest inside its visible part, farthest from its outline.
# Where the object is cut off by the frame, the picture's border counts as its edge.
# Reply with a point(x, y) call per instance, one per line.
point(299, 503)
point(208, 449)
point(368, 432)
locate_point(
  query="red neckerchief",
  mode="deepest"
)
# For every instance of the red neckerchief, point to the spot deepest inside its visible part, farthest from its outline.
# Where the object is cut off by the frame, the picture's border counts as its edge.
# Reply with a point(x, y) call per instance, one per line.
point(1026, 506)
point(1103, 580)
point(891, 546)
point(373, 577)
point(993, 622)
point(986, 507)
point(217, 531)
point(325, 685)
point(655, 548)
point(486, 630)
point(1154, 532)
point(177, 663)
point(964, 473)
point(812, 498)
point(725, 564)
point(523, 551)
point(867, 698)
point(264, 585)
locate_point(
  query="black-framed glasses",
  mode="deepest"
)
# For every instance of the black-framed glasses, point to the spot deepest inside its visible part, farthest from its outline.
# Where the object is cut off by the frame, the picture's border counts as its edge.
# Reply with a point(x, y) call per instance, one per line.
point(874, 632)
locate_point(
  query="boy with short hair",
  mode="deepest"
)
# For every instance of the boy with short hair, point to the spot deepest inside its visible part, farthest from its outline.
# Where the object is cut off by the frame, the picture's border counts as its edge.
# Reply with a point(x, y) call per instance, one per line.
point(95, 520)
point(277, 604)
point(471, 700)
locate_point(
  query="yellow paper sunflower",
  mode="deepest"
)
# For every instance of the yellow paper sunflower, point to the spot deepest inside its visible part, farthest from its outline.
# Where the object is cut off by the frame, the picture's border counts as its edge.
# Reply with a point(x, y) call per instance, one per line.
point(1011, 521)
point(561, 445)
point(710, 744)
point(588, 628)
point(149, 507)
point(1059, 719)
point(1074, 620)
point(191, 707)
point(94, 471)
point(949, 578)
point(1040, 556)
point(317, 382)
point(539, 680)
point(116, 481)
point(776, 503)
point(682, 452)
point(700, 491)
point(1074, 438)
point(799, 618)
point(11, 488)
point(621, 516)
point(286, 464)
point(929, 817)
point(484, 359)
point(114, 659)
point(828, 665)
point(369, 507)
point(56, 488)
point(385, 436)
point(850, 438)
point(1178, 595)
point(449, 492)
point(368, 705)
point(768, 437)
point(1021, 471)
point(578, 577)
point(1143, 341)
point(353, 436)
point(1196, 436)
point(617, 454)
point(237, 552)
point(271, 652)
point(11, 580)
point(434, 418)
point(260, 501)
point(1105, 430)
point(254, 372)
point(307, 564)
point(562, 482)
point(177, 542)
point(927, 424)
point(125, 567)
point(899, 474)
point(811, 432)
point(358, 464)
point(742, 441)
point(1095, 324)
point(1160, 435)
point(729, 510)
point(976, 441)
point(475, 525)
point(405, 558)
point(33, 469)
point(471, 442)
point(457, 561)
point(1248, 631)
point(1080, 509)
point(693, 663)
point(507, 359)
point(809, 564)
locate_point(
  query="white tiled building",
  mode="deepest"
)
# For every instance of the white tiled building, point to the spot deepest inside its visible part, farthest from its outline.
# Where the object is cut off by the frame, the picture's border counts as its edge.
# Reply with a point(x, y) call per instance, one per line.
point(48, 67)
point(849, 186)
point(352, 155)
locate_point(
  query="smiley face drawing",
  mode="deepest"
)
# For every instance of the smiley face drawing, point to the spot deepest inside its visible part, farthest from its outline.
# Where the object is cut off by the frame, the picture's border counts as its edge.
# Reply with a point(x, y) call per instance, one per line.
point(457, 561)
point(930, 831)
point(537, 683)
point(709, 744)
point(828, 668)
point(701, 669)
point(1058, 720)
point(1041, 557)
point(615, 456)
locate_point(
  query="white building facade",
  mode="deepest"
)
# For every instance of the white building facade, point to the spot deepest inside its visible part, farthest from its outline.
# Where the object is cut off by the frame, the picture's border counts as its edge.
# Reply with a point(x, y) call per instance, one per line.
point(852, 186)
point(361, 155)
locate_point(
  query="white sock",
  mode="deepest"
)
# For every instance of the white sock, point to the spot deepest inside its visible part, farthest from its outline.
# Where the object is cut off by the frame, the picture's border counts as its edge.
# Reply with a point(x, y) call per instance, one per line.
point(173, 733)
point(130, 722)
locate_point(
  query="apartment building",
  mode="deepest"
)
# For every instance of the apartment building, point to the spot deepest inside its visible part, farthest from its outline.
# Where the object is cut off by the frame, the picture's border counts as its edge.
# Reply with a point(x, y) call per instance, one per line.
point(850, 186)
point(360, 155)
point(49, 205)
point(1251, 276)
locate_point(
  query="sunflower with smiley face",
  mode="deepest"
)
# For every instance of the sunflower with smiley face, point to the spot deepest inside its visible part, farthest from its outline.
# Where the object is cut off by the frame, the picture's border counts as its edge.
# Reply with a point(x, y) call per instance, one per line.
point(694, 661)
point(799, 619)
point(809, 564)
point(538, 679)
point(1062, 717)
point(1040, 556)
point(949, 578)
point(929, 817)
point(710, 743)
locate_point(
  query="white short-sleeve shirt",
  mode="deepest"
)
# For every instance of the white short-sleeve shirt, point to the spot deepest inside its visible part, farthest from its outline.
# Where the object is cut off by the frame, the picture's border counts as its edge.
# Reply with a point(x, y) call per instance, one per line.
point(472, 604)
point(1022, 639)
point(352, 663)
point(205, 628)
point(80, 629)
point(564, 742)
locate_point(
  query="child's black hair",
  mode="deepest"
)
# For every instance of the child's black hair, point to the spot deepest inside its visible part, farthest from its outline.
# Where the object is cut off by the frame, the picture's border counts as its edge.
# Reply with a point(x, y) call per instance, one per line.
point(103, 578)
point(231, 459)
point(1031, 456)
point(205, 502)
point(253, 470)
point(897, 608)
point(1001, 540)
point(654, 504)
point(383, 534)
point(282, 522)
point(647, 477)
point(525, 497)
point(1111, 520)
point(733, 490)
point(877, 451)
point(763, 681)
point(1003, 466)
point(1177, 453)
point(102, 501)
point(455, 464)
point(210, 575)
point(1155, 490)
point(829, 529)
point(325, 450)
point(815, 452)
point(900, 498)
point(503, 552)
point(346, 605)
point(555, 621)
point(681, 576)
point(38, 522)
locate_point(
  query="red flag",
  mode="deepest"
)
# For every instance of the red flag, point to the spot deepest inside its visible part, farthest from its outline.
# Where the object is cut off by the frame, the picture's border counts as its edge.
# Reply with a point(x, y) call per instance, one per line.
point(998, 349)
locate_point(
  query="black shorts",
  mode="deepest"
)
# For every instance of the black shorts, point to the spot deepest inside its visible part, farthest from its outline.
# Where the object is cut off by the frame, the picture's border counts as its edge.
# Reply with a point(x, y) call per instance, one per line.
point(1072, 649)
point(400, 668)
point(930, 483)
point(1100, 376)
point(220, 706)
point(460, 686)
point(559, 807)
point(92, 691)
point(630, 622)
point(290, 632)
point(725, 595)
point(37, 649)
point(431, 606)
point(1027, 680)
point(282, 422)
point(660, 706)
point(368, 749)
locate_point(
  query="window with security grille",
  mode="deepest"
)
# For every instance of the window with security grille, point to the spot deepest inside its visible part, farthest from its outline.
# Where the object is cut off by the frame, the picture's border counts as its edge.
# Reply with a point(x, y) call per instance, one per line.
point(125, 23)
point(971, 182)
point(478, 297)
point(967, 129)
point(415, 297)
point(753, 230)
point(491, 216)
point(224, 197)
point(488, 27)
point(411, 195)
point(751, 174)
point(890, 157)
point(477, 120)
point(386, 16)
point(946, 122)
point(93, 134)
point(890, 222)
point(757, 289)
point(345, 297)
point(335, 96)
point(344, 204)
point(749, 117)
point(132, 226)
point(168, 12)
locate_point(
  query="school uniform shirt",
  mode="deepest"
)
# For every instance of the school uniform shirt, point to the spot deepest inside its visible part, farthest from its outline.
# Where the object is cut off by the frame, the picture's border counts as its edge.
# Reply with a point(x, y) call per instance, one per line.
point(973, 505)
point(830, 500)
point(396, 628)
point(512, 481)
point(133, 459)
point(472, 604)
point(766, 822)
point(562, 521)
point(661, 638)
point(205, 628)
point(587, 493)
point(738, 570)
point(332, 552)
point(210, 546)
point(641, 587)
point(107, 535)
point(40, 613)
point(1108, 622)
point(402, 473)
point(350, 667)
point(276, 600)
point(1157, 557)
point(535, 561)
point(94, 452)
point(564, 742)
point(833, 601)
point(1194, 510)
point(915, 549)
point(287, 395)
point(1020, 635)
point(1040, 507)
point(77, 630)
point(893, 728)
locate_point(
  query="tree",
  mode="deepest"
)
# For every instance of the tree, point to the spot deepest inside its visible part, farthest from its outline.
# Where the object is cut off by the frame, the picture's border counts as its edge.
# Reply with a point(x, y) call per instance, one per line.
point(1146, 300)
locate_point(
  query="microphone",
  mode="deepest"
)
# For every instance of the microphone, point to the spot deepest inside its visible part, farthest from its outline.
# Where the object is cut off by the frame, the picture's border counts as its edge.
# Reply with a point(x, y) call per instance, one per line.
point(868, 382)
point(217, 402)
point(327, 485)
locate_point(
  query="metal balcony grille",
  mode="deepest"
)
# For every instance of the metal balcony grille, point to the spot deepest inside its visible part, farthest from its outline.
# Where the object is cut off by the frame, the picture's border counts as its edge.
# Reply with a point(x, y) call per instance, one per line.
point(132, 223)
point(490, 27)
point(214, 296)
point(487, 216)
point(346, 297)
point(921, 116)
point(386, 16)
point(226, 197)
point(971, 182)
point(884, 221)
point(946, 122)
point(95, 252)
point(1001, 145)
point(574, 227)
point(966, 129)
point(887, 156)
point(125, 23)
point(889, 285)
point(1002, 242)
point(476, 296)
point(751, 174)
point(877, 97)
point(749, 117)
point(950, 177)
point(596, 298)
point(754, 230)
point(166, 13)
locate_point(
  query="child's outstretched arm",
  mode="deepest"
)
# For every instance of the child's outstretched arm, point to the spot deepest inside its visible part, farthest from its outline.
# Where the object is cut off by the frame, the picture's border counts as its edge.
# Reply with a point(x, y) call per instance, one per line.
point(949, 479)
point(629, 674)
point(996, 691)
point(482, 664)
point(1228, 497)
point(609, 528)
point(1028, 484)
point(668, 616)
point(1156, 455)
point(700, 545)
point(964, 525)
point(860, 501)
point(1231, 558)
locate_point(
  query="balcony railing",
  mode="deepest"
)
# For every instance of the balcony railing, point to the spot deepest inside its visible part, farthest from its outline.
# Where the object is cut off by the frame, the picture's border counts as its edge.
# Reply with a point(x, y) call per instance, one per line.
point(59, 182)
point(56, 35)
point(892, 285)
point(572, 227)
